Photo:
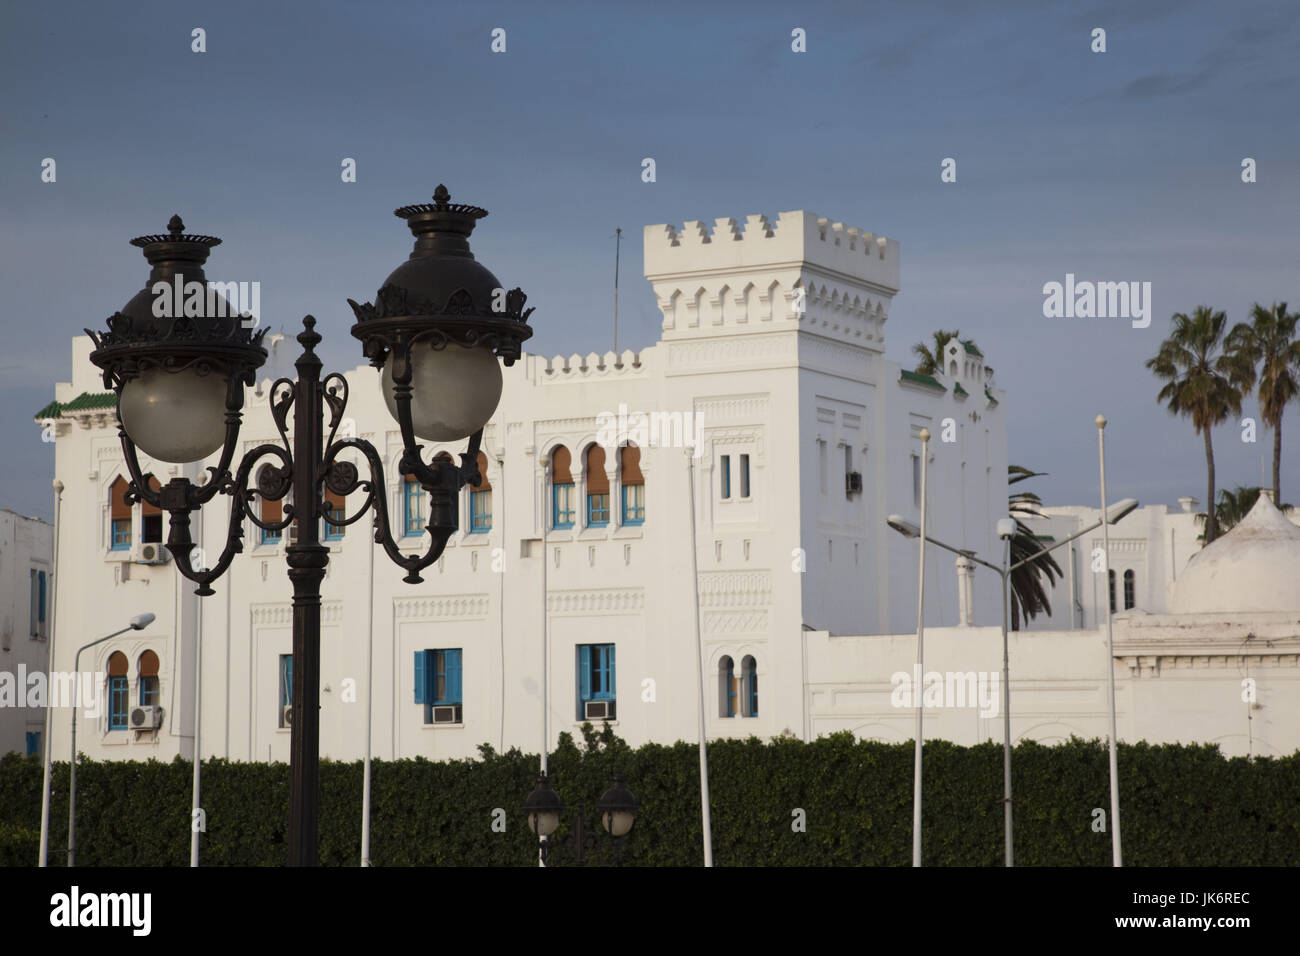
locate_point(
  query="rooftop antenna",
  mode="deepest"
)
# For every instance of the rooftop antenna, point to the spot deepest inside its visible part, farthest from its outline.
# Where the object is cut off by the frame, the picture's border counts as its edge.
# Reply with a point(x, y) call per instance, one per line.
point(618, 240)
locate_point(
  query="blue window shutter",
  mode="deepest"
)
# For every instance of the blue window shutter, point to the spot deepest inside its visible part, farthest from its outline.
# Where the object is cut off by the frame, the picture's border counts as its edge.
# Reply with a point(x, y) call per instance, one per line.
point(609, 676)
point(453, 676)
point(419, 677)
point(41, 611)
point(584, 672)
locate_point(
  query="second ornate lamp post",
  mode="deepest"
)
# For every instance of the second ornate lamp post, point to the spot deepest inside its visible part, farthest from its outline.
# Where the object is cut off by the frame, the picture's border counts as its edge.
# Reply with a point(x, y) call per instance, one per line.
point(436, 329)
point(544, 810)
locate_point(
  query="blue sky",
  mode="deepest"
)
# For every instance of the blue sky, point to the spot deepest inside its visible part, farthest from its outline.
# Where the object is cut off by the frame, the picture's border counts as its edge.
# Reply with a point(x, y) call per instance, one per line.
point(1116, 166)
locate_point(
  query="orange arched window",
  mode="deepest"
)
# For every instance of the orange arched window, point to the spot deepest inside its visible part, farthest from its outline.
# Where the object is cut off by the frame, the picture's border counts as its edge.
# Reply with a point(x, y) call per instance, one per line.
point(118, 690)
point(632, 484)
point(271, 511)
point(147, 668)
point(562, 509)
point(597, 488)
point(480, 500)
point(119, 516)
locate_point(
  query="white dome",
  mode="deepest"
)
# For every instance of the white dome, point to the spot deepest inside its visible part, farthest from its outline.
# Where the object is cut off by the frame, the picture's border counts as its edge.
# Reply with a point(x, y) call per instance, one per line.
point(1254, 567)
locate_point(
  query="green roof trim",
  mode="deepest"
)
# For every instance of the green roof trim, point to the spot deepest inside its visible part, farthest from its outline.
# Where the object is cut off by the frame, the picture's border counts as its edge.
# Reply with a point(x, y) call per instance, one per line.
point(1044, 537)
point(989, 396)
point(970, 347)
point(86, 401)
point(958, 390)
point(916, 378)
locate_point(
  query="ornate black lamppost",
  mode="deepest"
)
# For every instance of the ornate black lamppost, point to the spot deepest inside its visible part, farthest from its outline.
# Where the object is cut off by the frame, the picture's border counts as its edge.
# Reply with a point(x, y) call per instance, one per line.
point(435, 330)
point(544, 810)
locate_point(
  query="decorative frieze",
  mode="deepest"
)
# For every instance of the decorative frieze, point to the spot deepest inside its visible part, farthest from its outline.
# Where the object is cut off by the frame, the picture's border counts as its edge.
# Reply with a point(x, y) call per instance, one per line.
point(596, 601)
point(468, 607)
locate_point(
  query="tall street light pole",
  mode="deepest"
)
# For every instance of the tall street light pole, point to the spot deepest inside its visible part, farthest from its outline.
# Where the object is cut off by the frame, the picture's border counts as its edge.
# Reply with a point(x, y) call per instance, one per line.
point(1006, 529)
point(920, 659)
point(48, 736)
point(437, 327)
point(138, 623)
point(1117, 858)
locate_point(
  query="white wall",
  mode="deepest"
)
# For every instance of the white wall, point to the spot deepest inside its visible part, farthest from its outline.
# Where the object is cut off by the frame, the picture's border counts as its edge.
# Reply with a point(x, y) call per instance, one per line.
point(740, 351)
point(25, 545)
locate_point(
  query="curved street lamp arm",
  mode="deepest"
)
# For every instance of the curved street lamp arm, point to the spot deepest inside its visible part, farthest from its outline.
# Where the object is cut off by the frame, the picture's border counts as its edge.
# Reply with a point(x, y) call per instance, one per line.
point(1038, 554)
point(273, 484)
point(342, 478)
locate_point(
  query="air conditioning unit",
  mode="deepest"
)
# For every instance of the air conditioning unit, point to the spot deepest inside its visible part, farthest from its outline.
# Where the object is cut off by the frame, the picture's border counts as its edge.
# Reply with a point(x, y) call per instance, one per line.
point(853, 483)
point(286, 715)
point(146, 718)
point(150, 553)
point(446, 714)
point(599, 710)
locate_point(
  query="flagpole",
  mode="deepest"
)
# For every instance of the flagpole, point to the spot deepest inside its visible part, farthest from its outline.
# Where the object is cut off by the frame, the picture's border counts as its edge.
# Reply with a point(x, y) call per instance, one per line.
point(919, 683)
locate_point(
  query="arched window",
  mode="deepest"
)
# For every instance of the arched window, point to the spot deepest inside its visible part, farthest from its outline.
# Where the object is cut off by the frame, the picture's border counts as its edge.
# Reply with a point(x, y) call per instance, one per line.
point(1130, 589)
point(38, 602)
point(1111, 576)
point(119, 513)
point(335, 507)
point(597, 488)
point(728, 691)
point(415, 507)
point(562, 511)
point(749, 672)
point(633, 485)
point(147, 668)
point(117, 691)
point(271, 511)
point(151, 518)
point(480, 500)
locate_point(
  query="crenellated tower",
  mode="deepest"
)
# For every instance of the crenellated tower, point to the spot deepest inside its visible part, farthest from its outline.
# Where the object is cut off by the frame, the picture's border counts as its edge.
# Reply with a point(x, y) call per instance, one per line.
point(732, 295)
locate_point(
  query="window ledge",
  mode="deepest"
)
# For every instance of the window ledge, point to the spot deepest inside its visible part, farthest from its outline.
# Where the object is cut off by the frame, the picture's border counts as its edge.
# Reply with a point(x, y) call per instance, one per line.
point(595, 723)
point(630, 531)
point(115, 738)
point(459, 726)
point(598, 533)
point(476, 539)
point(559, 537)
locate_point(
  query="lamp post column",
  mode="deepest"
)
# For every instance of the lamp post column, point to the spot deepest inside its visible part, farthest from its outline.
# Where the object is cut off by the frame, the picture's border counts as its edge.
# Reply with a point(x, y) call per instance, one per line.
point(307, 559)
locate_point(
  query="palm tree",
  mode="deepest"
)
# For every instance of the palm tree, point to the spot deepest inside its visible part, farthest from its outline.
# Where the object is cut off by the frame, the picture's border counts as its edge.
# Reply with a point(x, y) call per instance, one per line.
point(1270, 341)
point(1233, 506)
point(1028, 595)
point(928, 362)
point(1202, 381)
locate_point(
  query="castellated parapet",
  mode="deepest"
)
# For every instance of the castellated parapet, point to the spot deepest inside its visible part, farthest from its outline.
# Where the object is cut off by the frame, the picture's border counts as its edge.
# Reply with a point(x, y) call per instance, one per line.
point(801, 273)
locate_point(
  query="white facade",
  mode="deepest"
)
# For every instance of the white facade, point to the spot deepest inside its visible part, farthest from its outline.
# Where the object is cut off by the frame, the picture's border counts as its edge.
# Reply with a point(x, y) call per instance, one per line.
point(772, 345)
point(1217, 662)
point(25, 587)
point(771, 362)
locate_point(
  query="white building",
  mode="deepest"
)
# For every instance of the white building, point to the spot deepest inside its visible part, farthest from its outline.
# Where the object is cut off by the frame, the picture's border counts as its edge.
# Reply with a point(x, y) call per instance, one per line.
point(25, 582)
point(772, 352)
point(1219, 662)
point(772, 356)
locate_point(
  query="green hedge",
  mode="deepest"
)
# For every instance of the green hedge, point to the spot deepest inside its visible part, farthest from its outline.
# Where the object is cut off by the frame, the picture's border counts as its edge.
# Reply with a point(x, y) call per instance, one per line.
point(1182, 806)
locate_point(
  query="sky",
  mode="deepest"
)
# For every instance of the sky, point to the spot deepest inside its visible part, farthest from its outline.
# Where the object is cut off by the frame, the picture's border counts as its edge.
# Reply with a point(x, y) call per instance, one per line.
point(1117, 166)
